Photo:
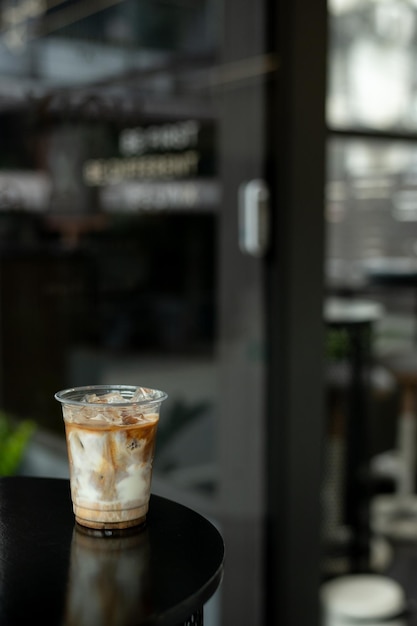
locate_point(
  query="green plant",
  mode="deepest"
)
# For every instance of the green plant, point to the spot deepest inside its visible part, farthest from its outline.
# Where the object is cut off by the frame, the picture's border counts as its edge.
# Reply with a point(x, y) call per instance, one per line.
point(340, 343)
point(14, 438)
point(337, 343)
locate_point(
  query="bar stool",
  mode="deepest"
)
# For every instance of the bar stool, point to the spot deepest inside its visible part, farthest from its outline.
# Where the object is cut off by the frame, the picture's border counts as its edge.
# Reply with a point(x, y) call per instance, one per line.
point(396, 514)
point(367, 599)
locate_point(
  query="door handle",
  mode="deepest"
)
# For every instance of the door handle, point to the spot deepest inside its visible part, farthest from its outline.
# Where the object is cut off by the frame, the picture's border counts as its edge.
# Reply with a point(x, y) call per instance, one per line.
point(254, 217)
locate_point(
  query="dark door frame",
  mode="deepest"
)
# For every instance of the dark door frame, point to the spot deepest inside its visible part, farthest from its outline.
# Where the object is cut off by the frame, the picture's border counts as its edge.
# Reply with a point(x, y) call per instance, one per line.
point(297, 34)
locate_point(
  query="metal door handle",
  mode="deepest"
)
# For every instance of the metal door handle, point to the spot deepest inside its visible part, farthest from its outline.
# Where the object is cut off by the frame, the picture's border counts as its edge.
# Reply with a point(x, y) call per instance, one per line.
point(254, 217)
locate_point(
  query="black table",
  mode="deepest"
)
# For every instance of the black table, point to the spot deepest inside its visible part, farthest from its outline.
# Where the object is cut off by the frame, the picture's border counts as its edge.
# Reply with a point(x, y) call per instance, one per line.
point(54, 574)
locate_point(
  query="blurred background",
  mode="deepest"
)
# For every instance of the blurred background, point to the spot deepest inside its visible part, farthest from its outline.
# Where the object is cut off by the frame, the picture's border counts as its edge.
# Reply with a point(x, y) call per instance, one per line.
point(218, 198)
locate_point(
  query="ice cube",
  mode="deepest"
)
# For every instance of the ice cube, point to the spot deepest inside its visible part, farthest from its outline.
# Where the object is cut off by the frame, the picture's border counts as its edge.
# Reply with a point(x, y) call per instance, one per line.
point(112, 397)
point(91, 398)
point(141, 393)
point(103, 417)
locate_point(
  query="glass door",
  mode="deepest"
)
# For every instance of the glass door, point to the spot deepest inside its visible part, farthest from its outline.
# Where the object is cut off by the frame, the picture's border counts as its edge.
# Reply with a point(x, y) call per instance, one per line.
point(119, 240)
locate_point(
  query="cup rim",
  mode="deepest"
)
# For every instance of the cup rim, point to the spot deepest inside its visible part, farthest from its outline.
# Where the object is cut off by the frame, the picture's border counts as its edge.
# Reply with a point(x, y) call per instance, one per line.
point(66, 396)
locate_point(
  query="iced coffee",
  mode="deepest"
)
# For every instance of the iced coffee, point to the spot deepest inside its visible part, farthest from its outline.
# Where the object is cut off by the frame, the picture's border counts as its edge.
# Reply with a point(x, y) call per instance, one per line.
point(110, 433)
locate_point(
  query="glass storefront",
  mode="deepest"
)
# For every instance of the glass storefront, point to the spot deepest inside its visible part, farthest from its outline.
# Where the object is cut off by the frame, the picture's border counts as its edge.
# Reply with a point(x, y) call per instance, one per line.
point(371, 198)
point(128, 130)
point(371, 209)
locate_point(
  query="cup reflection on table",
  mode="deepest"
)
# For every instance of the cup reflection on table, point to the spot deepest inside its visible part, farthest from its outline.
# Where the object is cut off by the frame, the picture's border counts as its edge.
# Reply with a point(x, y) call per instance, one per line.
point(108, 579)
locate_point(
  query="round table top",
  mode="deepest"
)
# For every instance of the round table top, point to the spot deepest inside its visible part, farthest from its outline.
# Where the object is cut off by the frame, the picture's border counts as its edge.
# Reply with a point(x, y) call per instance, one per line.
point(352, 311)
point(395, 270)
point(54, 574)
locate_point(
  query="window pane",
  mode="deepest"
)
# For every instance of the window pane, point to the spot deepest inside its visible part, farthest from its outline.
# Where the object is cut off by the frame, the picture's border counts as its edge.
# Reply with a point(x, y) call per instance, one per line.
point(371, 207)
point(372, 64)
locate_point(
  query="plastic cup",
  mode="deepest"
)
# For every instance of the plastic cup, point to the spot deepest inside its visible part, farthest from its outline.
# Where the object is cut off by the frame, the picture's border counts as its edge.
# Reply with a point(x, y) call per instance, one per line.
point(110, 433)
